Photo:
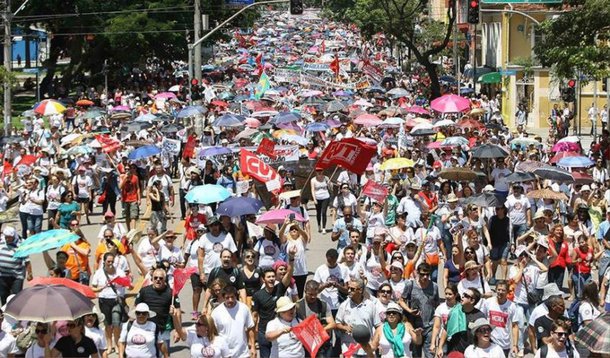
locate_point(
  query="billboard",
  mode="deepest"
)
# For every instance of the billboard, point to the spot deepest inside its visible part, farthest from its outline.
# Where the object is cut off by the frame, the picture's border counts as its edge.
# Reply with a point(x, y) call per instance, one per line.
point(238, 3)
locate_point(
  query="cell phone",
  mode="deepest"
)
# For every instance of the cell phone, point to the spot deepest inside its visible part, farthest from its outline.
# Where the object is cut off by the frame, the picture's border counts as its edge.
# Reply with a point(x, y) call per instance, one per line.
point(291, 216)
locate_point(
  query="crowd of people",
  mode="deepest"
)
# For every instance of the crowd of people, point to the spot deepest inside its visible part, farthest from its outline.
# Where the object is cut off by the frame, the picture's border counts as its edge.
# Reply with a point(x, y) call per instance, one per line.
point(467, 254)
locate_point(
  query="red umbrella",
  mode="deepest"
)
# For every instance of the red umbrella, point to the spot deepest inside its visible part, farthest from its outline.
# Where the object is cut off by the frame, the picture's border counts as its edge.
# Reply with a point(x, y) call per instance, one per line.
point(470, 124)
point(219, 103)
point(582, 178)
point(59, 281)
point(418, 110)
point(368, 120)
point(84, 103)
point(557, 157)
point(27, 160)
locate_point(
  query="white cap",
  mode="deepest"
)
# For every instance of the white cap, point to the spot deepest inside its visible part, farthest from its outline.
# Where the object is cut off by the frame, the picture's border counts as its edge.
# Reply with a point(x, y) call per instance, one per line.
point(9, 231)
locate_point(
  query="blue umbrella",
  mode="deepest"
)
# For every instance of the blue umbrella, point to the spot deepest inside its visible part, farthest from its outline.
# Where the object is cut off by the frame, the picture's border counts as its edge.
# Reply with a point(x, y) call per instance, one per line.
point(317, 127)
point(144, 152)
point(285, 117)
point(575, 162)
point(447, 79)
point(207, 194)
point(148, 117)
point(239, 206)
point(44, 241)
point(191, 111)
point(212, 151)
point(229, 120)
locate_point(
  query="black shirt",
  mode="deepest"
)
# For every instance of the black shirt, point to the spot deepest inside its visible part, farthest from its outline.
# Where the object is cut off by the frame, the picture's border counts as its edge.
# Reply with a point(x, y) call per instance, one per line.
point(543, 326)
point(69, 348)
point(229, 276)
point(252, 283)
point(498, 231)
point(158, 302)
point(460, 341)
point(263, 303)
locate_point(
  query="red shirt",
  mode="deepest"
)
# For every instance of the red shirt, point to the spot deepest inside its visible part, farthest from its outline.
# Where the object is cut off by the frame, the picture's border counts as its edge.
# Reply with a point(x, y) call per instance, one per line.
point(130, 190)
point(563, 258)
point(584, 266)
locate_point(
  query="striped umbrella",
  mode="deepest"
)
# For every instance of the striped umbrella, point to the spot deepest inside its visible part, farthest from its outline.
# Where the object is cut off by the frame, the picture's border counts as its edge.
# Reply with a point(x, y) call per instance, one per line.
point(49, 107)
point(44, 241)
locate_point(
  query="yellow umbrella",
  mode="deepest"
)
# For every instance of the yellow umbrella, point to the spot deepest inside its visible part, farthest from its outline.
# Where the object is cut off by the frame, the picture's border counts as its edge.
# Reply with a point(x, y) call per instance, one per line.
point(280, 132)
point(396, 163)
point(477, 112)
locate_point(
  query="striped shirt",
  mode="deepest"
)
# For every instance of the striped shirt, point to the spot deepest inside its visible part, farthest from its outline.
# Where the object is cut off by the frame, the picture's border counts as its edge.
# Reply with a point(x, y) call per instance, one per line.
point(11, 266)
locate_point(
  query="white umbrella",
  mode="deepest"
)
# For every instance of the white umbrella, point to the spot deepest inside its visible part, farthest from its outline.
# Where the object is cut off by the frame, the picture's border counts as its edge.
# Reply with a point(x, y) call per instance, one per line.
point(444, 123)
point(569, 139)
point(174, 88)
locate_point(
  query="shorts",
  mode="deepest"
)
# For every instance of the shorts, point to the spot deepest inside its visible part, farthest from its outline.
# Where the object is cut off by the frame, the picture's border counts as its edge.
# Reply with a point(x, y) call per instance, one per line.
point(106, 305)
point(131, 210)
point(500, 252)
point(83, 200)
point(196, 282)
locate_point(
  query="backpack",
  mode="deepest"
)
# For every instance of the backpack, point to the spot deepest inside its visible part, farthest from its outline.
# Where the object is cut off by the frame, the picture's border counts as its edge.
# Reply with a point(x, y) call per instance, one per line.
point(574, 316)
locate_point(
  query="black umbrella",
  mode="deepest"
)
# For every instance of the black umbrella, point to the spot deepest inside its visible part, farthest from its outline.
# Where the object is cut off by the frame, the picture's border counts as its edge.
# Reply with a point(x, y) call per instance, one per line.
point(172, 128)
point(519, 177)
point(489, 151)
point(137, 126)
point(556, 174)
point(486, 200)
point(10, 140)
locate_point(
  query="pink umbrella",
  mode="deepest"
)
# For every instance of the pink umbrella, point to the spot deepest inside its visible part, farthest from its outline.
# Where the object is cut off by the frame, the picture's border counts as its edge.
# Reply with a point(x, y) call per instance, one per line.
point(450, 103)
point(166, 95)
point(120, 108)
point(290, 125)
point(418, 110)
point(362, 102)
point(278, 216)
point(566, 147)
point(368, 120)
point(252, 123)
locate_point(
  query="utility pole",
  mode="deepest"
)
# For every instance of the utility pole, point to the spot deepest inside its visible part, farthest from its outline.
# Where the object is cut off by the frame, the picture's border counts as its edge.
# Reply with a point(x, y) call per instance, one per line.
point(456, 64)
point(7, 65)
point(197, 52)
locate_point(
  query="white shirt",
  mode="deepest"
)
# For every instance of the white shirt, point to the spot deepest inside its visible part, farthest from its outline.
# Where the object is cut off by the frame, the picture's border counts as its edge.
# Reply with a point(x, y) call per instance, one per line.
point(500, 184)
point(385, 347)
point(286, 345)
point(552, 354)
point(99, 279)
point(501, 317)
point(493, 351)
point(232, 324)
point(324, 274)
point(140, 340)
point(202, 348)
point(8, 345)
point(212, 246)
point(517, 209)
point(98, 336)
point(587, 312)
point(149, 254)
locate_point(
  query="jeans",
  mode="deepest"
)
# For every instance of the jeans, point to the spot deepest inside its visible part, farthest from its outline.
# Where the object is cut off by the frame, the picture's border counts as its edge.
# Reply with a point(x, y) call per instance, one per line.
point(424, 349)
point(523, 313)
point(23, 217)
point(9, 286)
point(321, 208)
point(579, 281)
point(182, 194)
point(604, 261)
point(556, 275)
point(264, 346)
point(34, 223)
point(518, 230)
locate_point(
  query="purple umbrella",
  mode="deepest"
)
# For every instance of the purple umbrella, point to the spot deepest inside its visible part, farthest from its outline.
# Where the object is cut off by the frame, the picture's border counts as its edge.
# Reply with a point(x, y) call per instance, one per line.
point(212, 151)
point(166, 95)
point(238, 206)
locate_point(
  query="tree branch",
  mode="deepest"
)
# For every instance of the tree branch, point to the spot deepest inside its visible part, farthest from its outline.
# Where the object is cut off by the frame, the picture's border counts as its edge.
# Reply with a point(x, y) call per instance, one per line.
point(436, 49)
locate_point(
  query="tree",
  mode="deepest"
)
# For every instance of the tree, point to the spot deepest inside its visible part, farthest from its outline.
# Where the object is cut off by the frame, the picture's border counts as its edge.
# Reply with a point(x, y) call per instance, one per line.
point(404, 21)
point(577, 41)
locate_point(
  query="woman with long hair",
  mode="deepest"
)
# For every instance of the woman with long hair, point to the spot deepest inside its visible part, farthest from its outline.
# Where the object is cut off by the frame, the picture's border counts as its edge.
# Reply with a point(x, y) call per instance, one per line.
point(560, 257)
point(92, 330)
point(589, 303)
point(250, 274)
point(204, 340)
point(320, 188)
point(67, 211)
point(441, 313)
point(54, 194)
point(394, 337)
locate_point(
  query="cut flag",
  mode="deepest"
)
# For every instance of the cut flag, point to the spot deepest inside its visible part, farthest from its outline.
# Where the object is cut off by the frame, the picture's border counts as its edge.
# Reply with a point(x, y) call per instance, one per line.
point(181, 275)
point(109, 144)
point(334, 66)
point(350, 153)
point(311, 333)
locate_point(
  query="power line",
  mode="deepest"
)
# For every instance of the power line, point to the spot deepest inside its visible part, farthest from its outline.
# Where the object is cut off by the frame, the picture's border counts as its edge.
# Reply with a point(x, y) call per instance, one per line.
point(175, 9)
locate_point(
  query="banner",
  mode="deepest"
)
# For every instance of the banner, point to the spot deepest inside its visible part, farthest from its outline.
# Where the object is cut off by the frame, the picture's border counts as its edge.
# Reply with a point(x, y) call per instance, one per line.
point(351, 154)
point(109, 144)
point(181, 276)
point(375, 191)
point(171, 146)
point(266, 147)
point(283, 153)
point(311, 334)
point(189, 148)
point(252, 165)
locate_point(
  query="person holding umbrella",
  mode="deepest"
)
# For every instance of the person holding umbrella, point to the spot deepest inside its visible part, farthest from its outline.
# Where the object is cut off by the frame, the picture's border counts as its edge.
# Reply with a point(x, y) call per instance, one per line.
point(75, 344)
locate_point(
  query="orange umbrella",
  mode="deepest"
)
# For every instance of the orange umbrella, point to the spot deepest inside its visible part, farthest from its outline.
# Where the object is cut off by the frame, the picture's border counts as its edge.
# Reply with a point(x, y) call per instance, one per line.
point(59, 281)
point(84, 103)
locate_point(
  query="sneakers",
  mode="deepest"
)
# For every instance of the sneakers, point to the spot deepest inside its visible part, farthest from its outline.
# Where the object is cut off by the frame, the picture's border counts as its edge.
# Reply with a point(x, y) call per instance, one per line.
point(323, 231)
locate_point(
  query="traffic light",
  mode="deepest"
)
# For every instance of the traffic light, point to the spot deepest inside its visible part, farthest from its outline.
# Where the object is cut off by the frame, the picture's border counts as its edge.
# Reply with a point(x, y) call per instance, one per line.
point(473, 12)
point(568, 94)
point(296, 7)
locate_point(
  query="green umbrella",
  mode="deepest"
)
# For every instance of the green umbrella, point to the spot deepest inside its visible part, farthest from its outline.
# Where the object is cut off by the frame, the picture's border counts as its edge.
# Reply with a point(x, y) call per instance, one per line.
point(491, 77)
point(258, 137)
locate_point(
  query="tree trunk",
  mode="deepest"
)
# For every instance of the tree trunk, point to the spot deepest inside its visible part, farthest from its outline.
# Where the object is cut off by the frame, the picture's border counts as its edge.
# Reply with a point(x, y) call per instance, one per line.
point(435, 86)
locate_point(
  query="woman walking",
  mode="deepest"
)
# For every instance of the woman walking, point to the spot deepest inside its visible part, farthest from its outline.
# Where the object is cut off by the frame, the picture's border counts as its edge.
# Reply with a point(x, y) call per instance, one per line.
point(321, 197)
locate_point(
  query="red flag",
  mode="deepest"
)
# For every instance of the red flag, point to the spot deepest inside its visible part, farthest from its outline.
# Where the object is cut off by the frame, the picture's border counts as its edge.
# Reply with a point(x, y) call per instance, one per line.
point(181, 275)
point(259, 60)
point(323, 47)
point(189, 148)
point(311, 333)
point(351, 350)
point(350, 153)
point(121, 281)
point(334, 66)
point(251, 165)
point(267, 147)
point(27, 160)
point(7, 168)
point(375, 190)
point(109, 144)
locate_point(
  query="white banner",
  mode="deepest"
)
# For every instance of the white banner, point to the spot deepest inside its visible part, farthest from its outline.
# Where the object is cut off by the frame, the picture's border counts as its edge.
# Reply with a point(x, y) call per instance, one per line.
point(171, 146)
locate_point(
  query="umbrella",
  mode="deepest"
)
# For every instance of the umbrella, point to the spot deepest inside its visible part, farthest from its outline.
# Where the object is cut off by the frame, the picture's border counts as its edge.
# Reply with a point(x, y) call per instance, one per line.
point(398, 92)
point(72, 138)
point(60, 281)
point(566, 147)
point(546, 193)
point(165, 95)
point(393, 122)
point(368, 120)
point(80, 150)
point(239, 206)
point(444, 123)
point(450, 103)
point(207, 194)
point(174, 88)
point(448, 79)
point(120, 116)
point(219, 103)
point(120, 108)
point(229, 120)
point(519, 177)
point(317, 127)
point(393, 111)
point(264, 114)
point(486, 200)
point(396, 163)
point(575, 162)
point(569, 139)
point(582, 178)
point(530, 165)
point(334, 106)
point(294, 138)
point(44, 241)
point(477, 112)
point(285, 117)
point(594, 336)
point(48, 303)
point(470, 124)
point(490, 78)
point(418, 110)
point(84, 103)
point(49, 107)
point(525, 142)
point(144, 152)
point(147, 117)
point(423, 129)
point(454, 141)
point(191, 111)
point(137, 126)
point(458, 174)
point(557, 157)
point(489, 151)
point(212, 151)
point(278, 216)
point(556, 174)
point(172, 128)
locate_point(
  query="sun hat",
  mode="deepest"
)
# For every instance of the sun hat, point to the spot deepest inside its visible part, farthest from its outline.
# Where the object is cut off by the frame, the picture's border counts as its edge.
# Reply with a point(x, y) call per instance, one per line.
point(284, 304)
point(539, 214)
point(520, 250)
point(452, 198)
point(479, 323)
point(397, 265)
point(9, 231)
point(393, 307)
point(141, 307)
point(551, 289)
point(470, 265)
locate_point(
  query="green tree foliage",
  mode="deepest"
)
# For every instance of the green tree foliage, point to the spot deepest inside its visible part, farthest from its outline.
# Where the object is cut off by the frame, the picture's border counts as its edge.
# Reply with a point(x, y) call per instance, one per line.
point(577, 40)
point(404, 21)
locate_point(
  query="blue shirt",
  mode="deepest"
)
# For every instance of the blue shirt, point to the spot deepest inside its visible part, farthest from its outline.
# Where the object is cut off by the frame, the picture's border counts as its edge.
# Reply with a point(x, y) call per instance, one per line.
point(341, 225)
point(602, 230)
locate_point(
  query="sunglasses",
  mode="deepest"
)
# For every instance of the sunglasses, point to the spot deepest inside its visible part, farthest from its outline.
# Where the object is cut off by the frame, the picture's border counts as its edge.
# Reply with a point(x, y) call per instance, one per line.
point(467, 296)
point(352, 288)
point(484, 330)
point(199, 324)
point(392, 313)
point(294, 229)
point(385, 292)
point(249, 256)
point(42, 331)
point(424, 274)
point(158, 278)
point(141, 313)
point(561, 334)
